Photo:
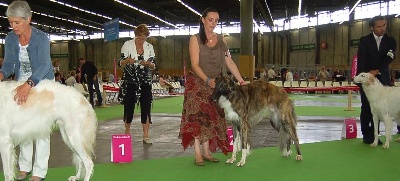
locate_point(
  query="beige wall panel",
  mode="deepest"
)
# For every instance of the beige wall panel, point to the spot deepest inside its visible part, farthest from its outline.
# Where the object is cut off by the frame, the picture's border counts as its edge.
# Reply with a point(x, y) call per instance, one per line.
point(185, 51)
point(166, 47)
point(356, 32)
point(295, 39)
point(178, 51)
point(278, 50)
point(266, 50)
point(304, 58)
point(330, 38)
point(233, 41)
point(324, 53)
point(341, 56)
point(61, 49)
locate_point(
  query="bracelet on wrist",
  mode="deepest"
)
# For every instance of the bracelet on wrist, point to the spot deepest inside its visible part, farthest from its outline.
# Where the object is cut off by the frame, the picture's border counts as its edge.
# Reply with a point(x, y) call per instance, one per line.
point(208, 80)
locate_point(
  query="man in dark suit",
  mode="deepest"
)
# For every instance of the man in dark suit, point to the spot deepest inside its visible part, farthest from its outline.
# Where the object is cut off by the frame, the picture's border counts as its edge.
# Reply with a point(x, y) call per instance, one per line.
point(375, 52)
point(89, 76)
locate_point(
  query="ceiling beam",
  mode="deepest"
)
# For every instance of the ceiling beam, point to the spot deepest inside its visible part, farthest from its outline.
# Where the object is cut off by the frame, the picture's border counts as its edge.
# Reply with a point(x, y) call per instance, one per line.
point(265, 13)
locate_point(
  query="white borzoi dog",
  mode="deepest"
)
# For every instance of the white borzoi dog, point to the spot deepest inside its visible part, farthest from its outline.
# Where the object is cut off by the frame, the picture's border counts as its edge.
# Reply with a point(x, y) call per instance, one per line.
point(247, 105)
point(49, 104)
point(384, 102)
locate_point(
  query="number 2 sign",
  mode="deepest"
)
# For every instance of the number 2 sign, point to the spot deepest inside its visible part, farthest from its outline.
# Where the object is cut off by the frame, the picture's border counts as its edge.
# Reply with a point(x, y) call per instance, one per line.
point(229, 132)
point(121, 148)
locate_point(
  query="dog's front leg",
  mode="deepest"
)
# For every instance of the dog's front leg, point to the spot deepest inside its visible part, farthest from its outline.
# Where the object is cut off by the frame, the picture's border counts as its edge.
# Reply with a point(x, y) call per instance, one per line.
point(388, 130)
point(376, 129)
point(237, 143)
point(245, 142)
point(7, 151)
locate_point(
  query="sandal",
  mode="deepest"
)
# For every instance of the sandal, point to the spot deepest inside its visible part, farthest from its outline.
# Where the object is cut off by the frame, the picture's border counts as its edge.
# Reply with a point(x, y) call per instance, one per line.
point(212, 159)
point(147, 141)
point(200, 163)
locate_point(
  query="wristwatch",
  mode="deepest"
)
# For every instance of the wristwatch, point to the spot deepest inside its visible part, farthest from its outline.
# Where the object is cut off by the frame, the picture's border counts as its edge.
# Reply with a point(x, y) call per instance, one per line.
point(30, 82)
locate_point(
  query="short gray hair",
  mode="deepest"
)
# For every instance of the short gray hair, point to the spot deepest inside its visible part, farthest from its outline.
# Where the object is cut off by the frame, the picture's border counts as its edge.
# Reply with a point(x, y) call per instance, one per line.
point(19, 9)
point(372, 21)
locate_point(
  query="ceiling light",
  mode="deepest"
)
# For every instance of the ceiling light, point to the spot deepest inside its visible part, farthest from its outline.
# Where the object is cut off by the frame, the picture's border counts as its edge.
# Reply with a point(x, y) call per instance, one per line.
point(145, 12)
point(188, 7)
point(90, 12)
point(351, 10)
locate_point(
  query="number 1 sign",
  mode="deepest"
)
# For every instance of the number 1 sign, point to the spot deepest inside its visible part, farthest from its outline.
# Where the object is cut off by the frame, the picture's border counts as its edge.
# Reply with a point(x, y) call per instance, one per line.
point(349, 129)
point(121, 148)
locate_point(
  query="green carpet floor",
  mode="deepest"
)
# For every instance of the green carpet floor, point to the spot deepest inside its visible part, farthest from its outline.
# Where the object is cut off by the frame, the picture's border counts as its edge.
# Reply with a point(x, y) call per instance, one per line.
point(344, 160)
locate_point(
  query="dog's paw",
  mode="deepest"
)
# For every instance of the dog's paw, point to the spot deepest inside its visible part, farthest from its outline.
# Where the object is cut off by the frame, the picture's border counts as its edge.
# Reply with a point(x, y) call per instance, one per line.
point(397, 140)
point(73, 178)
point(299, 157)
point(373, 144)
point(386, 145)
point(286, 153)
point(231, 160)
point(241, 163)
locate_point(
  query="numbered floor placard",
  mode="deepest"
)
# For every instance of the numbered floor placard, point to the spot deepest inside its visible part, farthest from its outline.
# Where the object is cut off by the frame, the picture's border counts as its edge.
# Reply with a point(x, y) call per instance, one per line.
point(121, 148)
point(349, 129)
point(229, 132)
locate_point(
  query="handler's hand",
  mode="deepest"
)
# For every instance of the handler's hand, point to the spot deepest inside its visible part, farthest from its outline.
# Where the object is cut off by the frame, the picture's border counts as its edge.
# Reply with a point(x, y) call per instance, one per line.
point(22, 92)
point(130, 60)
point(374, 72)
point(211, 83)
point(145, 63)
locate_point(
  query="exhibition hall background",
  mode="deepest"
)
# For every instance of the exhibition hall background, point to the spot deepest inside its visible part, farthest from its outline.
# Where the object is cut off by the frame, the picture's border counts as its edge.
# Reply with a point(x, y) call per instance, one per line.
point(331, 45)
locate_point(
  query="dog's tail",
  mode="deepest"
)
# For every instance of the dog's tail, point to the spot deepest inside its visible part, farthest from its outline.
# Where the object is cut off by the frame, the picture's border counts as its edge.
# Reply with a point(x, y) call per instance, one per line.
point(289, 120)
point(78, 130)
point(88, 140)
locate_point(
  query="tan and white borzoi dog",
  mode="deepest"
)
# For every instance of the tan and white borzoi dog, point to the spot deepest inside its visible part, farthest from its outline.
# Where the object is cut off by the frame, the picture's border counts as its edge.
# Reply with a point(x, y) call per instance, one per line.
point(49, 104)
point(384, 102)
point(247, 105)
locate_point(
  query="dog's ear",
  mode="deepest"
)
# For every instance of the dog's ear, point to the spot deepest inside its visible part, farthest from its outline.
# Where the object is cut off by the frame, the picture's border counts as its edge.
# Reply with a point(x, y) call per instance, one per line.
point(370, 80)
point(218, 80)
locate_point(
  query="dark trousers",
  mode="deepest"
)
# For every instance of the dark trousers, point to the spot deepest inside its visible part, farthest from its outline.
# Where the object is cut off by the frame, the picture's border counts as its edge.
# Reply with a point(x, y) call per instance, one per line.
point(90, 84)
point(367, 124)
point(145, 103)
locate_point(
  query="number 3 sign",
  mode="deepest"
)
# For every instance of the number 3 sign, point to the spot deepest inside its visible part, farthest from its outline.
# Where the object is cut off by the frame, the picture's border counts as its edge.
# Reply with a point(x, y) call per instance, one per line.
point(121, 148)
point(349, 129)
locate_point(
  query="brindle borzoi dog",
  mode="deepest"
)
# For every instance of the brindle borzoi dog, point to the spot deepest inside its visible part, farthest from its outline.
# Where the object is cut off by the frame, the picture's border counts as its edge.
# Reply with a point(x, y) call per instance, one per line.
point(247, 105)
